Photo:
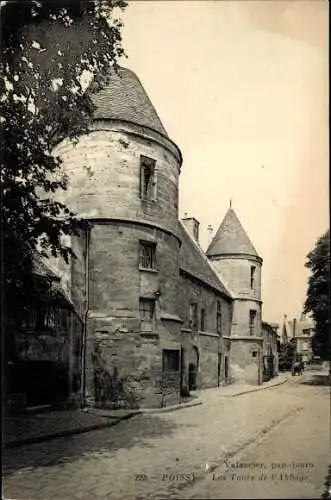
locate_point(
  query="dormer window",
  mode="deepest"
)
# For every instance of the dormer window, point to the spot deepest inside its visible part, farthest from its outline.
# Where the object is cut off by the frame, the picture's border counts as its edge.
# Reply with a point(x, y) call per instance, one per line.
point(147, 178)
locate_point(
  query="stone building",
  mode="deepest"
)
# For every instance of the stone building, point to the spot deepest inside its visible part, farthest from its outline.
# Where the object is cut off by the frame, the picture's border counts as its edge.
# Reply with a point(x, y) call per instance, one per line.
point(45, 358)
point(239, 266)
point(206, 312)
point(302, 334)
point(160, 317)
point(271, 345)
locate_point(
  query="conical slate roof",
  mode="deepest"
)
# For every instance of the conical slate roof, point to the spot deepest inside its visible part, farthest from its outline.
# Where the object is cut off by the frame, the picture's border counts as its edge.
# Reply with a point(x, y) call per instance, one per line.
point(231, 238)
point(124, 98)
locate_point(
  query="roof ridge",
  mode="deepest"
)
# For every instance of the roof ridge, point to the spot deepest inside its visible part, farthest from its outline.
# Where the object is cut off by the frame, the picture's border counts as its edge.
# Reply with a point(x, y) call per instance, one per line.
point(202, 253)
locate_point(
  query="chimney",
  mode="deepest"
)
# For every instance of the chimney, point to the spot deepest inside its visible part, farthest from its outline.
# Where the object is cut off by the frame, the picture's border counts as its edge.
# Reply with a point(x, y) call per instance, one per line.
point(294, 326)
point(210, 233)
point(192, 226)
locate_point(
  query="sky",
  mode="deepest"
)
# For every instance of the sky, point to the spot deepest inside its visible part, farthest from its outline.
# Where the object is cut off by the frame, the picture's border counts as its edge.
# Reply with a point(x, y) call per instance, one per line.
point(242, 88)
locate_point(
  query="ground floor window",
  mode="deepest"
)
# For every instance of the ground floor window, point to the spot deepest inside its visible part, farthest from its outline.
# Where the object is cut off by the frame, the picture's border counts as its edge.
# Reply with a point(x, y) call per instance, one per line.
point(146, 309)
point(170, 361)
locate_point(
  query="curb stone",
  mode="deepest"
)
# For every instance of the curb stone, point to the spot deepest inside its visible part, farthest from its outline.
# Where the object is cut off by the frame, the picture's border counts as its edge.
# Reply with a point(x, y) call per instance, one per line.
point(110, 423)
point(258, 389)
point(180, 406)
point(107, 423)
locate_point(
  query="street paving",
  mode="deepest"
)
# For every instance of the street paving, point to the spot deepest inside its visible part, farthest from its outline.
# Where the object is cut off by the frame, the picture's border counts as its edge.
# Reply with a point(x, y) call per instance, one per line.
point(164, 455)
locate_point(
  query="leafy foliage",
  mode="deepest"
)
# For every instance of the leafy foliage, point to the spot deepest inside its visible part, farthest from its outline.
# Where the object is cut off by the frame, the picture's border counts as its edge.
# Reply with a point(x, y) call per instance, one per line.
point(286, 356)
point(318, 294)
point(49, 50)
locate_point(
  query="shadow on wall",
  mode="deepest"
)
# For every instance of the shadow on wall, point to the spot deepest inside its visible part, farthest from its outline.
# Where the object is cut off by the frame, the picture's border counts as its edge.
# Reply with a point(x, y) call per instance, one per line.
point(110, 388)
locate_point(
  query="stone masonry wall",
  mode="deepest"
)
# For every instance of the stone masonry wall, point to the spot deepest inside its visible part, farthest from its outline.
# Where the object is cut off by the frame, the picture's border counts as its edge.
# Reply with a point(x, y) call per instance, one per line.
point(208, 343)
point(193, 290)
point(125, 364)
point(244, 368)
point(240, 321)
point(115, 280)
point(104, 178)
point(237, 274)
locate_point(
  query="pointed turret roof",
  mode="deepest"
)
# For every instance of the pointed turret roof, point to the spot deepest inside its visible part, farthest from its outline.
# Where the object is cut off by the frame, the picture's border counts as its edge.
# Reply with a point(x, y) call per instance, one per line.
point(124, 98)
point(231, 238)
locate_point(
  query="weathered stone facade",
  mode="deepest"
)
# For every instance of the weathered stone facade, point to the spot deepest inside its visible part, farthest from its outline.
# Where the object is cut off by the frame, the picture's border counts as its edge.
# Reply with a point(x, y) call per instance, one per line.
point(160, 316)
point(239, 266)
point(47, 367)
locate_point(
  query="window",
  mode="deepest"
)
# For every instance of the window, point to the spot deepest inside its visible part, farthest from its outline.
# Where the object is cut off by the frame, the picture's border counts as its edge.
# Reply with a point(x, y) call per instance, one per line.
point(253, 268)
point(252, 318)
point(219, 317)
point(254, 354)
point(146, 309)
point(193, 320)
point(147, 253)
point(202, 320)
point(147, 178)
point(170, 360)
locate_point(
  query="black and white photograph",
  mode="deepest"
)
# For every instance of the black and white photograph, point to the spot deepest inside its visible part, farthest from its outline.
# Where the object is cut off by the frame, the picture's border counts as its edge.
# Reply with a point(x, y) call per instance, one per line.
point(165, 249)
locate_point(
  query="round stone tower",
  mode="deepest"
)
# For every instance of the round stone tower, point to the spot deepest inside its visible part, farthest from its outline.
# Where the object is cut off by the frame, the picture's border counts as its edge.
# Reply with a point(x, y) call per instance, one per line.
point(239, 266)
point(123, 179)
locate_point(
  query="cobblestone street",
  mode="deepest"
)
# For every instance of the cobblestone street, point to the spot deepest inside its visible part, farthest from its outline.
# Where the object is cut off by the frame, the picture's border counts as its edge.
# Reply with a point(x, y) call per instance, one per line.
point(164, 455)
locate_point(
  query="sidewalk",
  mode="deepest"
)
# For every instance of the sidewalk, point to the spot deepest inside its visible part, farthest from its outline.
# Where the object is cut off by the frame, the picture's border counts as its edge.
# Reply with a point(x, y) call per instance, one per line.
point(36, 428)
point(29, 429)
point(234, 390)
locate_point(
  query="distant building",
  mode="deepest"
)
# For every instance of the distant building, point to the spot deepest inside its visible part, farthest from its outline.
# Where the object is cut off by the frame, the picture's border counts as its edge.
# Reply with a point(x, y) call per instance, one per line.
point(270, 350)
point(303, 331)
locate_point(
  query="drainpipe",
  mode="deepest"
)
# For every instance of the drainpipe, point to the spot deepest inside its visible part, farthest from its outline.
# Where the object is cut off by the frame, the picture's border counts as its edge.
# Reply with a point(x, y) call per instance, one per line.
point(87, 246)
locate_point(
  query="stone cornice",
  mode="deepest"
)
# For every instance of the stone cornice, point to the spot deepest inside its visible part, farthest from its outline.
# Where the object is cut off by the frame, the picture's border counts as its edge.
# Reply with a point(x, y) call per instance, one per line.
point(242, 256)
point(142, 222)
point(138, 130)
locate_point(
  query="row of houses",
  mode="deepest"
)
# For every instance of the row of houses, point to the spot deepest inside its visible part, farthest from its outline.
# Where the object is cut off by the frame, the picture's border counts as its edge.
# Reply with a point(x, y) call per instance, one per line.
point(145, 315)
point(299, 332)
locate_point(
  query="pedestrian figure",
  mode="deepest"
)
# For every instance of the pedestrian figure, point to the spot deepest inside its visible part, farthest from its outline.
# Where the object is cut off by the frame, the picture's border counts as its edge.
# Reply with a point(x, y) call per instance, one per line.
point(297, 368)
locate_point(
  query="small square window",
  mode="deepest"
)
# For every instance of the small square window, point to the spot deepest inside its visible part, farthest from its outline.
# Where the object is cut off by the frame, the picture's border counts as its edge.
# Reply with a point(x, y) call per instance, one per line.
point(147, 253)
point(170, 361)
point(147, 178)
point(146, 309)
point(254, 354)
